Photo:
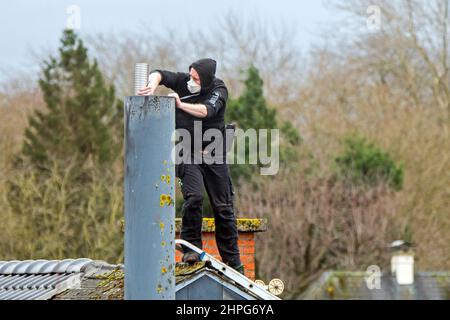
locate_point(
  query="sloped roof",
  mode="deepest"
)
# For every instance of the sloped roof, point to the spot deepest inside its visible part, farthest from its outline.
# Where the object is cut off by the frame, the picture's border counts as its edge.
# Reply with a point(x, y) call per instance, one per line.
point(85, 279)
point(42, 279)
point(352, 286)
point(110, 286)
point(207, 283)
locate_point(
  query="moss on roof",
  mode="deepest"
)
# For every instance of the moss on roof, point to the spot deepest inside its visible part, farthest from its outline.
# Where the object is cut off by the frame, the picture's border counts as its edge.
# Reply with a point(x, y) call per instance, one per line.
point(110, 285)
point(183, 270)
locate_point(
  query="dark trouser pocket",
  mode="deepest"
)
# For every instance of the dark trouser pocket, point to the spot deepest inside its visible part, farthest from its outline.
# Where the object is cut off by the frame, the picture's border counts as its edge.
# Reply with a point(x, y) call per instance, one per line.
point(231, 187)
point(179, 170)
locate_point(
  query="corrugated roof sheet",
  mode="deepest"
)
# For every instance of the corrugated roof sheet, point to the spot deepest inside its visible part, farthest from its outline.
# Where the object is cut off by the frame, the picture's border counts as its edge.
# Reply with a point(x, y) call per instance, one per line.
point(43, 266)
point(41, 279)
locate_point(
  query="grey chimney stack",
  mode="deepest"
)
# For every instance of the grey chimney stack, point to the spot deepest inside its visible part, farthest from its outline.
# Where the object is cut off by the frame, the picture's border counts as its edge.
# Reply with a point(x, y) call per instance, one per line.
point(149, 198)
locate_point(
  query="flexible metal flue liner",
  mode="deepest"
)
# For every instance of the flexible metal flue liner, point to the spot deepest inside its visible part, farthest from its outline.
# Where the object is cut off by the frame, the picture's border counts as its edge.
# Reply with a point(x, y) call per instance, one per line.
point(141, 71)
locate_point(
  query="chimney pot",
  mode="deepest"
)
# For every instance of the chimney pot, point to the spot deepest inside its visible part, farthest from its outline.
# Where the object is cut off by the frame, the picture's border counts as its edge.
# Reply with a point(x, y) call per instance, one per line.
point(402, 265)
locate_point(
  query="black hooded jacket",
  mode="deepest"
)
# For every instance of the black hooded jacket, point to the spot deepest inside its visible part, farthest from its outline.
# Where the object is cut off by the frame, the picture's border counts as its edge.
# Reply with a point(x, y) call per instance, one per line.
point(213, 95)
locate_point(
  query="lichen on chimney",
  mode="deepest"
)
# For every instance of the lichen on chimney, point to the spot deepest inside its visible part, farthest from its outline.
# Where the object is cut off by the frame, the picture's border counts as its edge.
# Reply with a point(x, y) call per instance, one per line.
point(244, 225)
point(208, 225)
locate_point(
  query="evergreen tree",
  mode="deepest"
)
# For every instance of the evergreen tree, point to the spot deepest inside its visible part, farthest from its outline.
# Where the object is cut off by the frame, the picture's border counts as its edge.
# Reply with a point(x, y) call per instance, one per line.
point(250, 110)
point(71, 192)
point(362, 162)
point(82, 111)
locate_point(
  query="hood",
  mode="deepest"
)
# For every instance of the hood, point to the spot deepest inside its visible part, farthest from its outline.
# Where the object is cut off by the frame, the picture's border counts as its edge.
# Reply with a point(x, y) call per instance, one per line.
point(206, 69)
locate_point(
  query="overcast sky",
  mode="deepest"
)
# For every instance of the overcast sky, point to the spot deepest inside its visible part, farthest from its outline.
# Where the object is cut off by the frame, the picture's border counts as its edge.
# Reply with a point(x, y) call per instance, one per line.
point(36, 25)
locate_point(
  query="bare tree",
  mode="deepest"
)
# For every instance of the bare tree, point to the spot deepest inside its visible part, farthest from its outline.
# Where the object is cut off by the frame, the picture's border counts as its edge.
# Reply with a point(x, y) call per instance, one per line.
point(235, 43)
point(317, 225)
point(412, 44)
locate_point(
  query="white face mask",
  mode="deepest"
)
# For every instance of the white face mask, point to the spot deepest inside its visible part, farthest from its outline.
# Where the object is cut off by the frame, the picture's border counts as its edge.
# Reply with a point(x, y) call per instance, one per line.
point(193, 87)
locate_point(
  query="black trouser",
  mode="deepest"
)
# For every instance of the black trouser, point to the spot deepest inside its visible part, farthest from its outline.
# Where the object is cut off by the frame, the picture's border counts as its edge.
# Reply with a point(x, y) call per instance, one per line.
point(216, 179)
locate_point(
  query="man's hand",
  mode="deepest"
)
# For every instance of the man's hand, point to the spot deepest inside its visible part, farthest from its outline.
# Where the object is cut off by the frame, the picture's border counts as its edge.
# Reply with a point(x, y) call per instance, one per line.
point(153, 83)
point(147, 91)
point(177, 99)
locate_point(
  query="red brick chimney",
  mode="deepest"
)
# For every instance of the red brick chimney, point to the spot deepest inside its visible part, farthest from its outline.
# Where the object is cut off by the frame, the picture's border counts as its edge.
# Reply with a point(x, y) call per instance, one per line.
point(247, 229)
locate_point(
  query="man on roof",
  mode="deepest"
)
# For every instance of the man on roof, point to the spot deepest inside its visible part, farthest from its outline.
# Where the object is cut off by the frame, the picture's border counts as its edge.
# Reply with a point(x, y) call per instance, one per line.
point(201, 98)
